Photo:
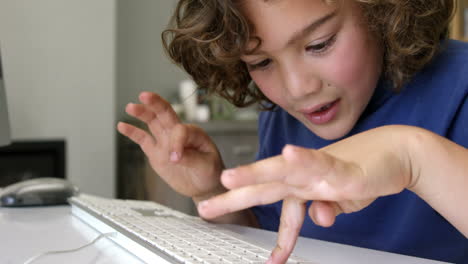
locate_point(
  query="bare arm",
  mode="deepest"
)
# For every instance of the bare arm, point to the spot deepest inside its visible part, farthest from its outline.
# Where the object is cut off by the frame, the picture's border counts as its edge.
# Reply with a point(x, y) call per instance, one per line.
point(347, 176)
point(439, 169)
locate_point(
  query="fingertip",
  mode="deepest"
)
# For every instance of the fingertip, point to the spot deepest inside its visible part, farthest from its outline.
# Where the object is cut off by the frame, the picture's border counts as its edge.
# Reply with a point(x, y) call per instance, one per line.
point(146, 97)
point(133, 109)
point(175, 156)
point(128, 107)
point(178, 142)
point(322, 213)
point(327, 221)
point(144, 94)
point(288, 148)
point(313, 213)
point(291, 151)
point(212, 208)
point(227, 178)
point(278, 255)
point(202, 208)
point(121, 127)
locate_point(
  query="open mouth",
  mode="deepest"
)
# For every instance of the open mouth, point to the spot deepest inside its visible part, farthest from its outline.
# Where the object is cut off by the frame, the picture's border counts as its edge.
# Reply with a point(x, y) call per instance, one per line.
point(324, 114)
point(324, 108)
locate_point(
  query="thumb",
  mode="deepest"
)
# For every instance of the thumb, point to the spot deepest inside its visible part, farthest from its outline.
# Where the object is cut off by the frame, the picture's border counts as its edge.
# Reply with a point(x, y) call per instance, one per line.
point(323, 213)
point(188, 136)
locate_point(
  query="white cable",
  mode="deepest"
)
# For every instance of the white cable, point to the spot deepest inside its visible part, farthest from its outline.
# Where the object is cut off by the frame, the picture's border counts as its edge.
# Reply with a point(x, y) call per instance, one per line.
point(34, 258)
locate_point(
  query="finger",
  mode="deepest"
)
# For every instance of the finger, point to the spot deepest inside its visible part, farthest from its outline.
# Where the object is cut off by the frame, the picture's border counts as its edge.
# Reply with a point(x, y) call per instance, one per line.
point(137, 135)
point(161, 108)
point(321, 176)
point(292, 218)
point(187, 136)
point(142, 113)
point(296, 166)
point(263, 171)
point(319, 165)
point(323, 213)
point(242, 198)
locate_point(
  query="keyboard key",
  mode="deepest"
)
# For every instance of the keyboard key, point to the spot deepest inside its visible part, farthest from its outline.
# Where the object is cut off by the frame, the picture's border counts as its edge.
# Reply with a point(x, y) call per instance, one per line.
point(186, 238)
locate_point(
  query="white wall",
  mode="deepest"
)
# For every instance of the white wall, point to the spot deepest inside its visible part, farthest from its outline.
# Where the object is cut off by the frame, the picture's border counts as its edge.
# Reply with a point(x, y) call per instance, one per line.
point(142, 63)
point(59, 58)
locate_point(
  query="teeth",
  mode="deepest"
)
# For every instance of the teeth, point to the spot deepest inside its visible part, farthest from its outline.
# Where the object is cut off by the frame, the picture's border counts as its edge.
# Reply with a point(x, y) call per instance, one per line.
point(324, 108)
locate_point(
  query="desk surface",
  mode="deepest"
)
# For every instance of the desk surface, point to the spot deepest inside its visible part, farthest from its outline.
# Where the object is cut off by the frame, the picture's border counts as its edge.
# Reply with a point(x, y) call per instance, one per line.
point(25, 232)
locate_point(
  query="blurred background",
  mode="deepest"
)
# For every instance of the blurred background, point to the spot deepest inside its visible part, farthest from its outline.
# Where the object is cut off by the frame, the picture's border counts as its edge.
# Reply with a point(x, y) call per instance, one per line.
point(71, 66)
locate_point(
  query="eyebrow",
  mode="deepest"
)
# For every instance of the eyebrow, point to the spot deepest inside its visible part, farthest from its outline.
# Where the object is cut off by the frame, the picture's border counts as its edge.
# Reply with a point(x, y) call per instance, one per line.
point(307, 30)
point(311, 27)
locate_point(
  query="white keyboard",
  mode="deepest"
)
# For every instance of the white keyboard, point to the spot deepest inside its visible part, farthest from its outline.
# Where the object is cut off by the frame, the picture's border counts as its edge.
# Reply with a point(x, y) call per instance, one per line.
point(157, 234)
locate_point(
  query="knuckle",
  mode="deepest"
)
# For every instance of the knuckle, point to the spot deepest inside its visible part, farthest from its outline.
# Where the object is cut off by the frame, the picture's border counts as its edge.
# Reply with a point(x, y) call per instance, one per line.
point(289, 224)
point(156, 97)
point(194, 128)
point(285, 246)
point(138, 137)
point(165, 107)
point(147, 117)
point(180, 129)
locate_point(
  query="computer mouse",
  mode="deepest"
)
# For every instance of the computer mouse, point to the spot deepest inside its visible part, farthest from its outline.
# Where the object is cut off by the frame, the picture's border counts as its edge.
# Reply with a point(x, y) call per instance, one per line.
point(37, 192)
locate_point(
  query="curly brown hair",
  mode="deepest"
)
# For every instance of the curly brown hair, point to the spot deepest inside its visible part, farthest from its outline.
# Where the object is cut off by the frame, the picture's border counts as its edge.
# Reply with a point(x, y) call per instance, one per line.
point(207, 38)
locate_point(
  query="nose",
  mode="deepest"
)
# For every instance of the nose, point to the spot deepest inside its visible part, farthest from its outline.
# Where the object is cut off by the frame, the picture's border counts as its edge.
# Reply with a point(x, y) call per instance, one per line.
point(300, 82)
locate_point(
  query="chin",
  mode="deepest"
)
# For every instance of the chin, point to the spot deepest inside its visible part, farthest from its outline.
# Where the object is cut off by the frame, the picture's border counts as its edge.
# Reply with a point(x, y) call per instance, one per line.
point(330, 136)
point(331, 132)
point(336, 129)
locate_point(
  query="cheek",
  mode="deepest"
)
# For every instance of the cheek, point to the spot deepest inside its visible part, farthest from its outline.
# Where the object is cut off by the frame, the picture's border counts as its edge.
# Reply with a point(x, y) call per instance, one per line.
point(270, 87)
point(354, 64)
point(352, 70)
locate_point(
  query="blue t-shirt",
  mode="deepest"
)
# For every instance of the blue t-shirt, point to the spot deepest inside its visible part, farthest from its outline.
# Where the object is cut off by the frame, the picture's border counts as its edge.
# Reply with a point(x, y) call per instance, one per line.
point(436, 99)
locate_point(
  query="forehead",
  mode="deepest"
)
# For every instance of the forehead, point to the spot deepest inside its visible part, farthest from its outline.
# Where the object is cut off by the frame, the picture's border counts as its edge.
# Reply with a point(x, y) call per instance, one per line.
point(276, 22)
point(267, 16)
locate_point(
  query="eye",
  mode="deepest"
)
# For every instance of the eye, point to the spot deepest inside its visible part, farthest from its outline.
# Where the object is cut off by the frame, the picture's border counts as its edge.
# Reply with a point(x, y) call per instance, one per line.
point(259, 66)
point(321, 47)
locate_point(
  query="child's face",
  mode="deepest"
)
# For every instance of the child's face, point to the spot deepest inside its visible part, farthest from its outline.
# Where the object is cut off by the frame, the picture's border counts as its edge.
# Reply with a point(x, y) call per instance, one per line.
point(316, 61)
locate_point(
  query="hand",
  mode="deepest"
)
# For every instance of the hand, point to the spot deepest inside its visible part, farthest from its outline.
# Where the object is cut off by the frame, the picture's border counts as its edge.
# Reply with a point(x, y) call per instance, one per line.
point(342, 178)
point(183, 155)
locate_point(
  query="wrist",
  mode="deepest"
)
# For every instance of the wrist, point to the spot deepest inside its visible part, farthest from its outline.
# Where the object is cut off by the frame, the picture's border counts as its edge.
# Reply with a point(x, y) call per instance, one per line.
point(415, 142)
point(217, 188)
point(405, 148)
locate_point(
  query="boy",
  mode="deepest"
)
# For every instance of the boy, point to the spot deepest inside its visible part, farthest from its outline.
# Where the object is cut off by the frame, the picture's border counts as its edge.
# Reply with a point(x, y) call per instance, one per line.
point(384, 170)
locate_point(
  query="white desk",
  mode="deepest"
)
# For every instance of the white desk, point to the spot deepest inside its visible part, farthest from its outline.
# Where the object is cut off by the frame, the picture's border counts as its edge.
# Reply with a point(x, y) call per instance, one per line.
point(25, 232)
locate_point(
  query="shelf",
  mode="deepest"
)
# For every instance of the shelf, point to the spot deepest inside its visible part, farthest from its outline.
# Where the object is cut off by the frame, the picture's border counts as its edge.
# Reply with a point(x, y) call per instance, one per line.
point(458, 21)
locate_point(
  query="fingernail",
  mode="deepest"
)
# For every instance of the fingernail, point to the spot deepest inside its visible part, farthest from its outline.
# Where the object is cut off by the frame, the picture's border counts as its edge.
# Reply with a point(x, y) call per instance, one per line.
point(228, 173)
point(174, 156)
point(227, 176)
point(315, 217)
point(291, 148)
point(202, 206)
